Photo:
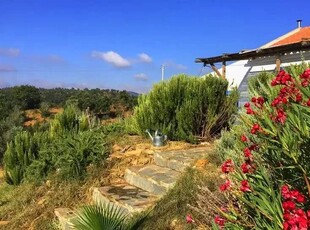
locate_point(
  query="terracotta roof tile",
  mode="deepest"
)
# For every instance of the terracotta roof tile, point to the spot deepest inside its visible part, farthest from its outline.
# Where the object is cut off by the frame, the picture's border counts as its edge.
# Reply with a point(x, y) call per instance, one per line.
point(301, 35)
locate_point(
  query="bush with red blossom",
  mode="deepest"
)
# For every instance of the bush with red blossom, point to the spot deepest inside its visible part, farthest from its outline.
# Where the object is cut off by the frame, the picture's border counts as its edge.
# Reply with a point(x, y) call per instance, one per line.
point(271, 182)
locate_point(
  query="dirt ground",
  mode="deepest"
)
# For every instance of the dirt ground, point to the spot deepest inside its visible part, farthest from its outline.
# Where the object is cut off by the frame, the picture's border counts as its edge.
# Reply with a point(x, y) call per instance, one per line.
point(139, 151)
point(34, 115)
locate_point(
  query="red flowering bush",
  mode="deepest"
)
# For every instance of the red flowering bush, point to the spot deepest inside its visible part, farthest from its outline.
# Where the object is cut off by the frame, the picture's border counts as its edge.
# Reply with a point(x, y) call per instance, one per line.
point(275, 158)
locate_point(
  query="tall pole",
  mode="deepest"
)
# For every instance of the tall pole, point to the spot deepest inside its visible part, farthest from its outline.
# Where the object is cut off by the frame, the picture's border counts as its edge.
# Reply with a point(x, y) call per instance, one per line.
point(162, 72)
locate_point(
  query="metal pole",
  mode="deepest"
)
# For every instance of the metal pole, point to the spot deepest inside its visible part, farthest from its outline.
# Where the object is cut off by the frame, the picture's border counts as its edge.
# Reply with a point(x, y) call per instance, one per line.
point(162, 72)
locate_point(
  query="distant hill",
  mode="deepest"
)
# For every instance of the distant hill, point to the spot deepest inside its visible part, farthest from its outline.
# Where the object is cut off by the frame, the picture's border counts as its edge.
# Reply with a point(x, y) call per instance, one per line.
point(133, 93)
point(98, 101)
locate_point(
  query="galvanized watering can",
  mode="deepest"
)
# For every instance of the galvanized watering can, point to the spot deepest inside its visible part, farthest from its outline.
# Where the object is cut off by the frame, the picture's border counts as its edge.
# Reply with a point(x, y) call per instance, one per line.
point(158, 139)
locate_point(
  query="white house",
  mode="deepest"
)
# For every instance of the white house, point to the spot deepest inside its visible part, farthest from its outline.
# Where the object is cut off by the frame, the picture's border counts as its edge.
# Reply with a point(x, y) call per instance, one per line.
point(291, 48)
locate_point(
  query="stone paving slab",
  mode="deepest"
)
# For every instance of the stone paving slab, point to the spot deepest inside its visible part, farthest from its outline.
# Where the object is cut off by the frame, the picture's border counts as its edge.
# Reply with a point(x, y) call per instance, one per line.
point(152, 178)
point(128, 198)
point(181, 159)
point(65, 216)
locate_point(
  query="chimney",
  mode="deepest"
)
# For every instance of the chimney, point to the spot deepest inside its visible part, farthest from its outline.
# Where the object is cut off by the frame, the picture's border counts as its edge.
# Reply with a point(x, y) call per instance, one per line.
point(298, 23)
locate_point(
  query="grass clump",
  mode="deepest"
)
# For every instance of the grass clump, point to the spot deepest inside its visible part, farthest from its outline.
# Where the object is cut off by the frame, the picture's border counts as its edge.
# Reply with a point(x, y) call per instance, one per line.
point(32, 205)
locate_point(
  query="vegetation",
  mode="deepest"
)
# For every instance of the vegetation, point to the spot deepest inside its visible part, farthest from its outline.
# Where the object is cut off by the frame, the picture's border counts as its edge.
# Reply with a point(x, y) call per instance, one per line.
point(14, 101)
point(100, 216)
point(171, 211)
point(73, 142)
point(273, 135)
point(186, 108)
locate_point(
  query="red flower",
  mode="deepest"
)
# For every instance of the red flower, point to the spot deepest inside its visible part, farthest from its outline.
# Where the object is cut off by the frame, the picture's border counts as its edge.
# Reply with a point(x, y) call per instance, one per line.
point(298, 97)
point(282, 78)
point(288, 205)
point(245, 186)
point(296, 195)
point(308, 102)
point(247, 168)
point(244, 138)
point(250, 111)
point(281, 116)
point(247, 105)
point(225, 186)
point(247, 152)
point(279, 100)
point(305, 74)
point(219, 221)
point(260, 100)
point(228, 166)
point(255, 128)
point(253, 100)
point(301, 219)
point(189, 219)
point(305, 83)
point(284, 90)
point(285, 192)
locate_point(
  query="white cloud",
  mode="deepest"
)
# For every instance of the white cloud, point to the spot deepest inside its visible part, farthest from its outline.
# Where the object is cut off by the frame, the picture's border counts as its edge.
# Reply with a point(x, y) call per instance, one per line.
point(141, 77)
point(10, 52)
point(7, 68)
point(112, 58)
point(143, 57)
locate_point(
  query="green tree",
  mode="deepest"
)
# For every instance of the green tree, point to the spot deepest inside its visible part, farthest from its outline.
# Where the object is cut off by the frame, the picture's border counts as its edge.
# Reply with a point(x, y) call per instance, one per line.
point(26, 96)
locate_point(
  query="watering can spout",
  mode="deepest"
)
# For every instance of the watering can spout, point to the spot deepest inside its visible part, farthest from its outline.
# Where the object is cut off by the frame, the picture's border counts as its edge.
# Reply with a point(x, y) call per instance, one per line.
point(148, 132)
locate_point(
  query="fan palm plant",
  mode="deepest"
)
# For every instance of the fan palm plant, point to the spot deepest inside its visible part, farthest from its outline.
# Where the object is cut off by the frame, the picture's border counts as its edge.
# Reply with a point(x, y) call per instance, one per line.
point(107, 217)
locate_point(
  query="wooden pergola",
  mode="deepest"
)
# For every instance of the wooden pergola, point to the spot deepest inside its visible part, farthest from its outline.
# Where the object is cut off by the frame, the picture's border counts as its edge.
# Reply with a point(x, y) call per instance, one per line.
point(276, 51)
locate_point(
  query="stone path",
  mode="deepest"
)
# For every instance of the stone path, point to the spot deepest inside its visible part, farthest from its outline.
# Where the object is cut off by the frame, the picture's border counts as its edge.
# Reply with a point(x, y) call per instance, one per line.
point(143, 185)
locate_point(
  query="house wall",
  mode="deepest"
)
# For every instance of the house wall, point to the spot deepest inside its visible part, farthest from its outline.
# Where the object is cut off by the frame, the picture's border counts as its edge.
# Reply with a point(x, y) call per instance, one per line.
point(239, 72)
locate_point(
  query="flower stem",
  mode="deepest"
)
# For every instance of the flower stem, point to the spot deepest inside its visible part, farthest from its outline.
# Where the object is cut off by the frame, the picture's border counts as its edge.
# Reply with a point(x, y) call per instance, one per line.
point(308, 184)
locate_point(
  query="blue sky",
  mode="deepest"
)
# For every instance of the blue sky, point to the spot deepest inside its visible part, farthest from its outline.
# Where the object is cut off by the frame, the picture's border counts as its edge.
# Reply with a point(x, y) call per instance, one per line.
point(122, 44)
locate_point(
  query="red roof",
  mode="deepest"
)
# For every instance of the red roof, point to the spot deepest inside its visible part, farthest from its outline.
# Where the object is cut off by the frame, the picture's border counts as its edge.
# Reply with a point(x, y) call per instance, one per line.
point(303, 34)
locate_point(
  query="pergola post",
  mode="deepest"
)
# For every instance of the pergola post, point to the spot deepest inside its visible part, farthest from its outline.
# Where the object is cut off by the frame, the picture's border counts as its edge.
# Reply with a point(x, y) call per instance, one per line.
point(278, 64)
point(216, 70)
point(224, 69)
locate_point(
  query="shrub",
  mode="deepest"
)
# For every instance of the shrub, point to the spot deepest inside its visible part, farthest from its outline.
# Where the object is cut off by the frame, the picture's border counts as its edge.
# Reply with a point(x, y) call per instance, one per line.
point(259, 84)
point(44, 109)
point(72, 143)
point(186, 108)
point(70, 155)
point(274, 167)
point(20, 153)
point(228, 146)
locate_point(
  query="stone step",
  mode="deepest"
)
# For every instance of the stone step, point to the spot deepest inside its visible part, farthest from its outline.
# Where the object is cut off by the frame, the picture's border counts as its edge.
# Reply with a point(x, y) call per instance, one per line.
point(128, 198)
point(152, 178)
point(181, 159)
point(64, 216)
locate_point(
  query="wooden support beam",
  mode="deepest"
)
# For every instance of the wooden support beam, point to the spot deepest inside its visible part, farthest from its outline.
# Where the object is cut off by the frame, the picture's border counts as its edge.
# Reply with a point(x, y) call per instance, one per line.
point(278, 64)
point(216, 70)
point(224, 69)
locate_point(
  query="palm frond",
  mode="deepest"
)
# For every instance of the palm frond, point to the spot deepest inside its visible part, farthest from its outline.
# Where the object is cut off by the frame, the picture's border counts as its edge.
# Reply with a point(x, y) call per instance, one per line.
point(98, 217)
